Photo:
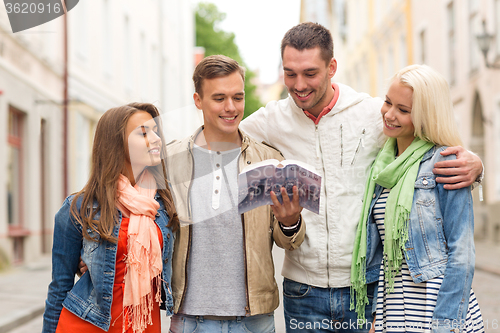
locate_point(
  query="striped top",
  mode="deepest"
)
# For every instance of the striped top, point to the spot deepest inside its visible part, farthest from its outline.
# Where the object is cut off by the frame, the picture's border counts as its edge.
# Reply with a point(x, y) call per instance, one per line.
point(410, 306)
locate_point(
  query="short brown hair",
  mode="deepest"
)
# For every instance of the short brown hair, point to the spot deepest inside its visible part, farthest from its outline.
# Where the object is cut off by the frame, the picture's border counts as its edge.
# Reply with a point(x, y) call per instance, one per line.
point(308, 35)
point(215, 66)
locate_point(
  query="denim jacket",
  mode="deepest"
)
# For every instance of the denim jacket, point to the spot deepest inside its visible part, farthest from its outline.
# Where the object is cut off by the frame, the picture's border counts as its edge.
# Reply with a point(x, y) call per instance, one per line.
point(91, 296)
point(441, 242)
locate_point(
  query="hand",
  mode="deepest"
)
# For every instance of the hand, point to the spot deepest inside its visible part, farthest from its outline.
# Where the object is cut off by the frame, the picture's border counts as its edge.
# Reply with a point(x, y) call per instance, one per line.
point(82, 267)
point(287, 213)
point(463, 171)
point(372, 329)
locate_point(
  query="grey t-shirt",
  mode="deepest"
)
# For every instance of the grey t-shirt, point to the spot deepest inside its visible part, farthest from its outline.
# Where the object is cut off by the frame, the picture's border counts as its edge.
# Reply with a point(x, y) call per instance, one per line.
point(215, 269)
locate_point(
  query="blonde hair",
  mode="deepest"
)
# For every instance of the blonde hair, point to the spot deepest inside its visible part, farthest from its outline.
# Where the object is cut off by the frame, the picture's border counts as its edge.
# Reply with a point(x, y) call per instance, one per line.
point(432, 109)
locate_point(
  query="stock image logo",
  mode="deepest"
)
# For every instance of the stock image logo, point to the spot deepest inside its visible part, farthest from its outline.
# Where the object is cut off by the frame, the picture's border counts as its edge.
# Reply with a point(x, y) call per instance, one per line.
point(26, 14)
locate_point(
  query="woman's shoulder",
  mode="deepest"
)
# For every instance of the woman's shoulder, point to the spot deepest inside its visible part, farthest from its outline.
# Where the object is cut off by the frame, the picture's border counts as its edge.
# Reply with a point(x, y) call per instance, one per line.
point(434, 155)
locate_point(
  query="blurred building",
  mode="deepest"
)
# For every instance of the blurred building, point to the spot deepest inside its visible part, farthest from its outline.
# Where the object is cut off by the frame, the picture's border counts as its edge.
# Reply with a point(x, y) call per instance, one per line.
point(132, 51)
point(31, 89)
point(119, 51)
point(375, 38)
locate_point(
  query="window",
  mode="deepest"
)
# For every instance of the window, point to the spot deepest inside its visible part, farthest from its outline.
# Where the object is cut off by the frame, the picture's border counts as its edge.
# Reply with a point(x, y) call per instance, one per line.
point(106, 48)
point(450, 13)
point(422, 46)
point(83, 150)
point(403, 52)
point(82, 27)
point(380, 75)
point(497, 26)
point(497, 149)
point(144, 70)
point(474, 29)
point(127, 52)
point(15, 182)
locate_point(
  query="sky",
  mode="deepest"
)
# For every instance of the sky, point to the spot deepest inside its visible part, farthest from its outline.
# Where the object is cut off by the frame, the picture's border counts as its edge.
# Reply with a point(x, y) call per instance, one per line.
point(259, 26)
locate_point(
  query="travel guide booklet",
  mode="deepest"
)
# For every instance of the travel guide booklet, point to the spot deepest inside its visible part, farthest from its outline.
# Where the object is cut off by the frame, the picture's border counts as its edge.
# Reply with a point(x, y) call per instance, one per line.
point(256, 182)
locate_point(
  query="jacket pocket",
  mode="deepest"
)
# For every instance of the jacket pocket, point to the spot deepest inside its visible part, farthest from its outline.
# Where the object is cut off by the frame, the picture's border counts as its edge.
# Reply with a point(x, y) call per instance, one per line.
point(428, 236)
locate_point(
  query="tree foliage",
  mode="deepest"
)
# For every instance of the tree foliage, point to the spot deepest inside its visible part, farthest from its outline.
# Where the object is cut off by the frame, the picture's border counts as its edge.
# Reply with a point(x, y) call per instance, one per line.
point(217, 41)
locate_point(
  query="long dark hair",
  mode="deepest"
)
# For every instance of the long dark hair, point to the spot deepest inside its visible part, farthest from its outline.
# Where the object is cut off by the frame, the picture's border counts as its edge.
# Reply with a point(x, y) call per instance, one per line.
point(109, 154)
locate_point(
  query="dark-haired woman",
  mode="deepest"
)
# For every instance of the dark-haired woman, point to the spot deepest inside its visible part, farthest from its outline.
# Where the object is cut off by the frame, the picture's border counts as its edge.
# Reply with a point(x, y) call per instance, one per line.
point(121, 224)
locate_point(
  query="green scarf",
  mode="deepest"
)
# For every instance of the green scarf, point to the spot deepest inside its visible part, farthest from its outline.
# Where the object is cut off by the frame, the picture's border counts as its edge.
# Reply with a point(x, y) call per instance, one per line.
point(398, 174)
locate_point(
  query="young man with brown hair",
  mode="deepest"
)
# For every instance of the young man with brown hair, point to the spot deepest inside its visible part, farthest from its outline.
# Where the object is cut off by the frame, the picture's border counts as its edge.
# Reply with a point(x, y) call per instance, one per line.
point(223, 271)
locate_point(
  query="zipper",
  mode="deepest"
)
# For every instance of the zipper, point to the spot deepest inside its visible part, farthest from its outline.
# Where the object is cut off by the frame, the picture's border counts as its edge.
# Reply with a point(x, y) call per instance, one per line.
point(190, 227)
point(186, 267)
point(190, 184)
point(341, 147)
point(361, 143)
point(247, 308)
point(318, 153)
point(247, 297)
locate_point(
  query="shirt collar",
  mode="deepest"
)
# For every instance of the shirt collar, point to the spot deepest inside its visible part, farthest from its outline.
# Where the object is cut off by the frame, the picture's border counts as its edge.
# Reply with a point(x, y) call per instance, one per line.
point(327, 108)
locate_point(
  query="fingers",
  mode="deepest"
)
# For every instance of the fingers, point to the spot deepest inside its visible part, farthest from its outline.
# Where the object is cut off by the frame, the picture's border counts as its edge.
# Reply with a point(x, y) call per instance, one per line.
point(287, 212)
point(450, 164)
point(452, 150)
point(275, 200)
point(457, 186)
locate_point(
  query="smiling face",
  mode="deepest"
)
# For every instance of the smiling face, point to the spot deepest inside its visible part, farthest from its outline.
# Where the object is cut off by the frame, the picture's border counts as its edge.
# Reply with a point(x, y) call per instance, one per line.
point(308, 78)
point(223, 105)
point(396, 114)
point(143, 142)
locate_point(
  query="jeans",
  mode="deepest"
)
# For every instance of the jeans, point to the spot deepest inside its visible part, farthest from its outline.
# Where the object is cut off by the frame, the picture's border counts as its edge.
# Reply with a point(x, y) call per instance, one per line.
point(254, 324)
point(313, 309)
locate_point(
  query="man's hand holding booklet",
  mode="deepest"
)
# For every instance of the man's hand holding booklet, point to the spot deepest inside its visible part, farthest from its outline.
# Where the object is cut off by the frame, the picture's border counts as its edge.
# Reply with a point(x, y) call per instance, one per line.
point(256, 182)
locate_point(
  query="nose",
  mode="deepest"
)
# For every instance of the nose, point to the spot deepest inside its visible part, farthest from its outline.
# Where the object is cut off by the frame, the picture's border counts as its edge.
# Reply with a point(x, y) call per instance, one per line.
point(390, 114)
point(300, 83)
point(229, 105)
point(153, 138)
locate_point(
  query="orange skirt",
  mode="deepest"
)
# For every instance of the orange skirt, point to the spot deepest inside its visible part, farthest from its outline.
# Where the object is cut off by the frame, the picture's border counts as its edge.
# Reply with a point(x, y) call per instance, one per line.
point(70, 323)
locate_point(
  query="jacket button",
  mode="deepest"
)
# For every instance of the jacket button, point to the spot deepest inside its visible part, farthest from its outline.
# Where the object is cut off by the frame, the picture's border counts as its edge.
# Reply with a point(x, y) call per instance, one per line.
point(157, 214)
point(425, 182)
point(168, 236)
point(166, 260)
point(248, 162)
point(374, 195)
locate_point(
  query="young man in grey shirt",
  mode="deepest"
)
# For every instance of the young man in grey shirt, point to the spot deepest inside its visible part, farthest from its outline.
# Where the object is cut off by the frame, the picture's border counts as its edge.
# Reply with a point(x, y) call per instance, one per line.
point(223, 272)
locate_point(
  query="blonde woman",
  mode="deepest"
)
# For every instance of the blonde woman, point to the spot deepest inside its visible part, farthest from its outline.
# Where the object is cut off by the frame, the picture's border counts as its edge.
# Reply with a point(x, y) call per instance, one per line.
point(422, 233)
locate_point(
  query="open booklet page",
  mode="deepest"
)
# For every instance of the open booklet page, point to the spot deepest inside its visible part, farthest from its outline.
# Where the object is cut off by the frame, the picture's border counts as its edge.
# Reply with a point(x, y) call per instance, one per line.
point(256, 182)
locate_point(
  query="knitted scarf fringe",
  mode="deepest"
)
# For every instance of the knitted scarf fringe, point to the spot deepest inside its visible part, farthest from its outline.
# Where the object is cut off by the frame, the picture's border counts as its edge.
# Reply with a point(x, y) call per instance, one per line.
point(392, 268)
point(139, 317)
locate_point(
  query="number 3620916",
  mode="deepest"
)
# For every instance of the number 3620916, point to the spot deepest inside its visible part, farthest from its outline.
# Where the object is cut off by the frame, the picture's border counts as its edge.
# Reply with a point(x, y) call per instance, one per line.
point(32, 8)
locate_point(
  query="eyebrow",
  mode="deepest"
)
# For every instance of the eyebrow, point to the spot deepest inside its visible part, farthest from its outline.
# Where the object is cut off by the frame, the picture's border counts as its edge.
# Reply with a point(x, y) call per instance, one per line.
point(242, 93)
point(305, 70)
point(399, 105)
point(143, 127)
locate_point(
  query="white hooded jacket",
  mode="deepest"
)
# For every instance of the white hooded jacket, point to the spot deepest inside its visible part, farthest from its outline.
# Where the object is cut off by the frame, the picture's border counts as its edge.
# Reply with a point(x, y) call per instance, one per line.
point(342, 147)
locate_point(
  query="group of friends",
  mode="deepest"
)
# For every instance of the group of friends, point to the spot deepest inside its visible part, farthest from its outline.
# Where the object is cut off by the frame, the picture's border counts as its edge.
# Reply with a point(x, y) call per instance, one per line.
point(157, 225)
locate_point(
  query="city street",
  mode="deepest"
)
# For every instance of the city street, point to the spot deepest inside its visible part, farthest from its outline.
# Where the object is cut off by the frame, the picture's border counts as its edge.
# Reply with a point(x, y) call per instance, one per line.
point(28, 286)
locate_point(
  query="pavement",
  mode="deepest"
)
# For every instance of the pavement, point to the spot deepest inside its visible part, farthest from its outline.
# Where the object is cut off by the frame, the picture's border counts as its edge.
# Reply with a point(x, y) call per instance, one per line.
point(23, 290)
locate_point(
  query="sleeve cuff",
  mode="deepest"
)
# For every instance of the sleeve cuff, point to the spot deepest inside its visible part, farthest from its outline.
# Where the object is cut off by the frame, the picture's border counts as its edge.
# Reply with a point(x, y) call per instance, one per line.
point(291, 230)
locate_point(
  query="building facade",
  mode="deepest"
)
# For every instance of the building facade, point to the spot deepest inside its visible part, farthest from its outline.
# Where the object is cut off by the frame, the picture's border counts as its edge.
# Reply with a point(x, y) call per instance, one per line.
point(118, 51)
point(31, 188)
point(375, 38)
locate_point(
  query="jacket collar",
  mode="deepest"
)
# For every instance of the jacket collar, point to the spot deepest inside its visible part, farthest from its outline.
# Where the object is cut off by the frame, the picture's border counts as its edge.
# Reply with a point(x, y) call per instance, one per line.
point(245, 139)
point(430, 153)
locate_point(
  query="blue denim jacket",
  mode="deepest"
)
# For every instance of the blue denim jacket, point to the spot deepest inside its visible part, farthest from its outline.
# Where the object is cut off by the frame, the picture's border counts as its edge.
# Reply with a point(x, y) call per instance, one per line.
point(441, 242)
point(91, 296)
